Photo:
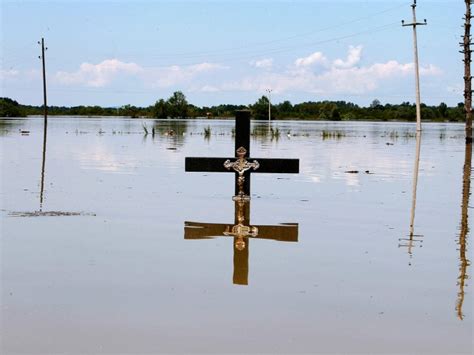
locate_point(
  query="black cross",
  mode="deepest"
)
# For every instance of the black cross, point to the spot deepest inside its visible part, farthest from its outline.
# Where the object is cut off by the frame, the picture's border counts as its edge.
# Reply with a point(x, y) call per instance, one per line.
point(241, 232)
point(242, 153)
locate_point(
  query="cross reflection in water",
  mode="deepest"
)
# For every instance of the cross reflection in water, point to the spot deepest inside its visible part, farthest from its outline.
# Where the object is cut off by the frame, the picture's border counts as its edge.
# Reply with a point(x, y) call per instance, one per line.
point(241, 231)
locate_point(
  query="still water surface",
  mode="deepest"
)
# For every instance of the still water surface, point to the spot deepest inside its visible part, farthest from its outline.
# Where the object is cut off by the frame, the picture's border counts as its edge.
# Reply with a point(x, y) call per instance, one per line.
point(94, 259)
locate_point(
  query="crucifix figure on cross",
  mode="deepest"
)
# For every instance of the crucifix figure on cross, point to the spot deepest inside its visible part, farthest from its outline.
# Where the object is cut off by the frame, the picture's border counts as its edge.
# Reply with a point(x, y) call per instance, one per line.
point(242, 167)
point(241, 230)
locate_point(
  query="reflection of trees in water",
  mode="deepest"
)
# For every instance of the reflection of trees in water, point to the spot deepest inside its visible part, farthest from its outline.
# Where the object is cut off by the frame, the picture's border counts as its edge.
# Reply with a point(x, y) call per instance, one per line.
point(174, 130)
point(8, 125)
point(464, 230)
point(265, 132)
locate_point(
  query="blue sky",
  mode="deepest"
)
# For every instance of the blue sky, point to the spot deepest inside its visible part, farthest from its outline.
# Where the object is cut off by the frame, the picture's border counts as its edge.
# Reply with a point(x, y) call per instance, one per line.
point(112, 53)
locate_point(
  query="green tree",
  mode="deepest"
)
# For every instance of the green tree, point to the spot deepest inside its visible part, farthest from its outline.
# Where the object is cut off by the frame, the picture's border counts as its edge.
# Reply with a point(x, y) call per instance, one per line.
point(160, 109)
point(10, 108)
point(375, 104)
point(284, 109)
point(260, 109)
point(178, 105)
point(335, 115)
point(443, 109)
point(127, 110)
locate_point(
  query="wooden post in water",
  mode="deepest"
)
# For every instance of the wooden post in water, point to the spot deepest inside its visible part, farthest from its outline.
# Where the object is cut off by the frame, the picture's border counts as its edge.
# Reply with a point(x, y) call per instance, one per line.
point(466, 187)
point(45, 127)
point(466, 45)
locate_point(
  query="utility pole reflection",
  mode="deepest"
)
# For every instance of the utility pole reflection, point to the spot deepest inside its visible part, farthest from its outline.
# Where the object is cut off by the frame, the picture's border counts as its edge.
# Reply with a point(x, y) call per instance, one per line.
point(464, 230)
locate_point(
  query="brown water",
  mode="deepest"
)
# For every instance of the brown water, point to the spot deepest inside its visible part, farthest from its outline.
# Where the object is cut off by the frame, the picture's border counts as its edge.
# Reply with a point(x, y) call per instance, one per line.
point(102, 266)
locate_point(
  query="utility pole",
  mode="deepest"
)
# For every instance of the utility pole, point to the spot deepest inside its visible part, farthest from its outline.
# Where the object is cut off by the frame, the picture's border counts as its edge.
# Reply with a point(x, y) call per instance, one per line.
point(45, 128)
point(466, 45)
point(44, 80)
point(417, 71)
point(269, 105)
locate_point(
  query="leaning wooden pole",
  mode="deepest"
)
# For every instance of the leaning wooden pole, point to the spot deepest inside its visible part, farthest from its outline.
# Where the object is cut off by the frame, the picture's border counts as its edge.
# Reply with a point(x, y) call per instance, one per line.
point(45, 102)
point(466, 44)
point(414, 24)
point(45, 127)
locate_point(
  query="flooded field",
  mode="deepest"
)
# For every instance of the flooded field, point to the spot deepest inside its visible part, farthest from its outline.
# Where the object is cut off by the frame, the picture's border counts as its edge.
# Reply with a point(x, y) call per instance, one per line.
point(94, 257)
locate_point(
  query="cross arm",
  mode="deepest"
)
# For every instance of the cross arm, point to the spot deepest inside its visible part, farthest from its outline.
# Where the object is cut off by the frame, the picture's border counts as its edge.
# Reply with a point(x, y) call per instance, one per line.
point(285, 232)
point(279, 166)
point(216, 165)
point(197, 230)
point(211, 165)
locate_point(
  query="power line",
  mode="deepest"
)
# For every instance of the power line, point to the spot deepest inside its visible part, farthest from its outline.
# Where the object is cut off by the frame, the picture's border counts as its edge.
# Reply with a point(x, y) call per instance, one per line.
point(232, 50)
point(254, 55)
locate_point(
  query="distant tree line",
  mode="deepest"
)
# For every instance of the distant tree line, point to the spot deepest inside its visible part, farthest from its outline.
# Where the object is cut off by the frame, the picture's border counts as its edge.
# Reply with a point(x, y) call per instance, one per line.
point(177, 106)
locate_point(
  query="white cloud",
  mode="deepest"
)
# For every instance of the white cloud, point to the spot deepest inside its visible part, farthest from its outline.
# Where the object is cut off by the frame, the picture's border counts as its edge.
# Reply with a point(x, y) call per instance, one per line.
point(173, 75)
point(208, 88)
point(353, 57)
point(12, 76)
point(103, 73)
point(203, 67)
point(6, 74)
point(430, 69)
point(316, 57)
point(337, 77)
point(265, 63)
point(98, 75)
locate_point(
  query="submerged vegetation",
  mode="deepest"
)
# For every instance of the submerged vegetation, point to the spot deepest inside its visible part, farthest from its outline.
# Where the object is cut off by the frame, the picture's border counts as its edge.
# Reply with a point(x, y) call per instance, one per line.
point(332, 134)
point(177, 106)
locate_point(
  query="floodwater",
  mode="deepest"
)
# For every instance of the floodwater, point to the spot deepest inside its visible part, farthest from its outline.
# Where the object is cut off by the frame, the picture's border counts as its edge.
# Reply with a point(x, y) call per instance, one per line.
point(94, 257)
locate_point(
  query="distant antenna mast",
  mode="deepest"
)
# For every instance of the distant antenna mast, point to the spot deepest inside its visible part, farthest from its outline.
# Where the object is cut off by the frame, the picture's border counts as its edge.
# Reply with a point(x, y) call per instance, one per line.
point(417, 72)
point(466, 45)
point(269, 105)
point(44, 79)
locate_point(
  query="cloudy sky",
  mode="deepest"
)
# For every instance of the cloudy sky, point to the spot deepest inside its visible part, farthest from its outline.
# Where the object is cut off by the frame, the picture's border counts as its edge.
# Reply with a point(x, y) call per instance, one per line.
point(112, 53)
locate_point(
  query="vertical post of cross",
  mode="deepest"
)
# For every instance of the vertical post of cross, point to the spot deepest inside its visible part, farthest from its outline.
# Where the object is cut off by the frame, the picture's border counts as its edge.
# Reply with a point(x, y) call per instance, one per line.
point(242, 139)
point(241, 252)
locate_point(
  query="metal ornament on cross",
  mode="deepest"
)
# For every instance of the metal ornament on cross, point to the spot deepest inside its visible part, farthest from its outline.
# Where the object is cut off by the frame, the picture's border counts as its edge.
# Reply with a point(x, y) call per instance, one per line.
point(240, 166)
